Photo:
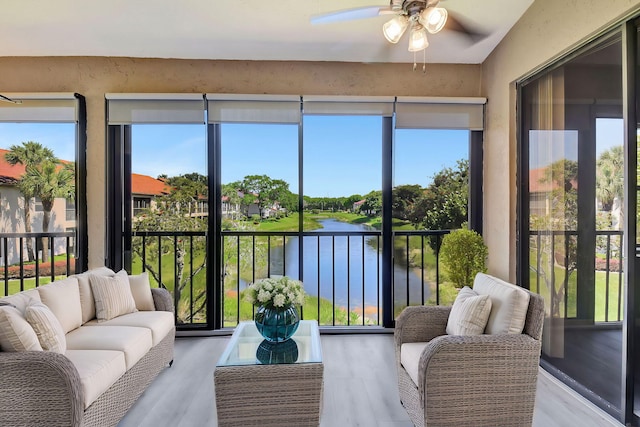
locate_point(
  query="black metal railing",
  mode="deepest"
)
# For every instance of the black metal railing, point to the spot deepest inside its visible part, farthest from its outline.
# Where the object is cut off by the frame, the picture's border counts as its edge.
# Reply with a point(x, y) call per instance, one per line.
point(553, 267)
point(176, 261)
point(18, 273)
point(341, 271)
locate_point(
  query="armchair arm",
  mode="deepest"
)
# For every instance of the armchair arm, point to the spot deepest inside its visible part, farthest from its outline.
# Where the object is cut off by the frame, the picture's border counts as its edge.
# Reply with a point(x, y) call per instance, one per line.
point(421, 323)
point(162, 299)
point(40, 388)
point(476, 374)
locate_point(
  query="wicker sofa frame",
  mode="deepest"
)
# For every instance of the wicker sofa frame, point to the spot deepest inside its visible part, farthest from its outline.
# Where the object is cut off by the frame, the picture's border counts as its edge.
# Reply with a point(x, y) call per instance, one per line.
point(481, 380)
point(41, 388)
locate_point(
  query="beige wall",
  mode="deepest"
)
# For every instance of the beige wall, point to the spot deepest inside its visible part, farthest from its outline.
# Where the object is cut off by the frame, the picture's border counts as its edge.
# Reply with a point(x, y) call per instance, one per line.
point(93, 77)
point(548, 29)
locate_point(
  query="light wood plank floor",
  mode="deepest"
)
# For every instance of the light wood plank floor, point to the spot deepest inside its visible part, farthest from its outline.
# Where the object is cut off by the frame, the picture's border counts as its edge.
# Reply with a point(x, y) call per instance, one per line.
point(359, 389)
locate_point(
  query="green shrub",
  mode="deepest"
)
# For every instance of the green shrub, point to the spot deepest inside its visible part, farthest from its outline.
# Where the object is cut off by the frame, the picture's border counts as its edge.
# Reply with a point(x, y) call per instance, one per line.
point(463, 254)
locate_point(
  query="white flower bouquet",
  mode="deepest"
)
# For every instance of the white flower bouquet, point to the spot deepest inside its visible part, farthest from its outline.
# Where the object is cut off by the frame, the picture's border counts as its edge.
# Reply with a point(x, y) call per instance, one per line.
point(277, 292)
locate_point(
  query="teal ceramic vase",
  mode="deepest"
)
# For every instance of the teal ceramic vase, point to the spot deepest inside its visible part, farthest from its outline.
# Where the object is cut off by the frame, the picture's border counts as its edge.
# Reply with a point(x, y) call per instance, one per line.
point(277, 324)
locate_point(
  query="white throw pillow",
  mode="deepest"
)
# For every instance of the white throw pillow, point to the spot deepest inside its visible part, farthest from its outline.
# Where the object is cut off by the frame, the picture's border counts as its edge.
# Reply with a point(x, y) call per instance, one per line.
point(63, 299)
point(16, 334)
point(87, 302)
point(112, 296)
point(469, 313)
point(141, 291)
point(509, 304)
point(47, 327)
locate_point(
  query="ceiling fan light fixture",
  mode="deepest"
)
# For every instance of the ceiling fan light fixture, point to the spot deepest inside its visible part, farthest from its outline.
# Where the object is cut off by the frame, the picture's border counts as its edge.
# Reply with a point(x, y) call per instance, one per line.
point(418, 38)
point(434, 19)
point(395, 28)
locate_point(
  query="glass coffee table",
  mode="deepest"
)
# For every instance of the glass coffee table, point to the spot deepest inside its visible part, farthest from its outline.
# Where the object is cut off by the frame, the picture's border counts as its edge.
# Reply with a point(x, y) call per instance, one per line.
point(266, 384)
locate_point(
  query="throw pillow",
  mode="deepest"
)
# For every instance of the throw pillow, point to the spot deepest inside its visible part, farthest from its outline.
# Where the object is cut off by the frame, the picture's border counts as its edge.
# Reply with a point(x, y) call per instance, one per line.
point(63, 298)
point(16, 334)
point(47, 327)
point(469, 313)
point(112, 296)
point(141, 290)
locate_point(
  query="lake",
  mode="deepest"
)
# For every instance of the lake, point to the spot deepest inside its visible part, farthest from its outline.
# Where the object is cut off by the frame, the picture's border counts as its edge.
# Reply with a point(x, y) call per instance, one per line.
point(351, 276)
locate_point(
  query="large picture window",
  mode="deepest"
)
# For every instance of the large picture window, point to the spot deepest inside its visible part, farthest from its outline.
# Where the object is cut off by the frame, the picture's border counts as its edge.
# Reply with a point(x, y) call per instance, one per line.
point(42, 187)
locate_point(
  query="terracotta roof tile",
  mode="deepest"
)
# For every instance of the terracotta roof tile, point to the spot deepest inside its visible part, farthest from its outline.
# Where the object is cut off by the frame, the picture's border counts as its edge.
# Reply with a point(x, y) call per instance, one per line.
point(148, 186)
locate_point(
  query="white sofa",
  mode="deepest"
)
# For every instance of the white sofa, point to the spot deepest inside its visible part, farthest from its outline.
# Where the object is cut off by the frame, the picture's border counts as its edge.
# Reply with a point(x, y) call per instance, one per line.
point(62, 363)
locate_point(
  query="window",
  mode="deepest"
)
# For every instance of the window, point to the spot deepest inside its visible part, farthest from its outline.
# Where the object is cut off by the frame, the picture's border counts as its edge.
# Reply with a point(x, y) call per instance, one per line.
point(140, 204)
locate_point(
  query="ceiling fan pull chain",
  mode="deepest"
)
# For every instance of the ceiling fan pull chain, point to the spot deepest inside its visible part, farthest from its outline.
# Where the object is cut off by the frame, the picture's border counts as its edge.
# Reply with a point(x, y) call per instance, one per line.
point(415, 65)
point(424, 61)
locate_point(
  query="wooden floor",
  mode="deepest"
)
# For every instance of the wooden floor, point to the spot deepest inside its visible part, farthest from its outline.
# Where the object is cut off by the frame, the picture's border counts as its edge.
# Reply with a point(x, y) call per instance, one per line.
point(359, 389)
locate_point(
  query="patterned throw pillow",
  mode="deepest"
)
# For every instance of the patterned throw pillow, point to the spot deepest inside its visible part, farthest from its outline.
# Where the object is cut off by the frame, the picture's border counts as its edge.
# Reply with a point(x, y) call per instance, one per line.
point(47, 327)
point(16, 334)
point(469, 313)
point(112, 296)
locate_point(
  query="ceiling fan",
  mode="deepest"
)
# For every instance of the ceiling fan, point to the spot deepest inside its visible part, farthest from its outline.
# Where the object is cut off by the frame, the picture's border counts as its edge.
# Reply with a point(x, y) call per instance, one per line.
point(419, 16)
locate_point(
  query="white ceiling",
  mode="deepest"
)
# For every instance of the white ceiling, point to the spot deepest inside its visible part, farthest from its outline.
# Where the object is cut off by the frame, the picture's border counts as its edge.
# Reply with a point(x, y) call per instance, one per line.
point(237, 30)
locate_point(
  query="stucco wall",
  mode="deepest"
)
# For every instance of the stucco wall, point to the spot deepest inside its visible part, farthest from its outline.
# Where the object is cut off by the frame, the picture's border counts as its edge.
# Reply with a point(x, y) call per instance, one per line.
point(93, 77)
point(548, 29)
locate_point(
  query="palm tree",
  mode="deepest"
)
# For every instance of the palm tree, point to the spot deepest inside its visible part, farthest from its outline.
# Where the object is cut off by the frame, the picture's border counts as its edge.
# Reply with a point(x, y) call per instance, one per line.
point(29, 154)
point(49, 180)
point(610, 177)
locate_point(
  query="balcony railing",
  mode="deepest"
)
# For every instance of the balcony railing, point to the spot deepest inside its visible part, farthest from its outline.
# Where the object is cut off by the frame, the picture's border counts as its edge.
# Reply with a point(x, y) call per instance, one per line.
point(554, 269)
point(17, 273)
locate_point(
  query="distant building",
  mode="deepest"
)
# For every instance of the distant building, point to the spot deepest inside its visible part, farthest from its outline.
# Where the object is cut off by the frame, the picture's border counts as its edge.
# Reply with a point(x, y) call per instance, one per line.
point(12, 205)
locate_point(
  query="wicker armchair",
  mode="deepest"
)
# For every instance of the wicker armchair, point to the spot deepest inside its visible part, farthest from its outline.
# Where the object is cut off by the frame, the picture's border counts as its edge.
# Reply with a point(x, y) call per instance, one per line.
point(480, 380)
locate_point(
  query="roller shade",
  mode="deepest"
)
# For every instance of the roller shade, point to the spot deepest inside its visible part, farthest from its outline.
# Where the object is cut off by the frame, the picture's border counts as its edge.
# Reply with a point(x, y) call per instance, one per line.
point(39, 108)
point(253, 109)
point(126, 109)
point(349, 105)
point(449, 113)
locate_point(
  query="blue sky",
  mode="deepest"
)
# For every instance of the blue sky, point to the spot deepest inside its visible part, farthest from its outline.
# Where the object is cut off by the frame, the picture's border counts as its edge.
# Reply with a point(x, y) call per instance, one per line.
point(342, 154)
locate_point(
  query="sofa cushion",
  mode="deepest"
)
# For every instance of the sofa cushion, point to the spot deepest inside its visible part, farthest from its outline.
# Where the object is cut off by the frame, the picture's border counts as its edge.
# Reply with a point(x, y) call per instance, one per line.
point(160, 323)
point(16, 334)
point(98, 370)
point(87, 302)
point(410, 353)
point(21, 300)
point(134, 342)
point(112, 295)
point(63, 298)
point(509, 304)
point(47, 327)
point(141, 291)
point(469, 313)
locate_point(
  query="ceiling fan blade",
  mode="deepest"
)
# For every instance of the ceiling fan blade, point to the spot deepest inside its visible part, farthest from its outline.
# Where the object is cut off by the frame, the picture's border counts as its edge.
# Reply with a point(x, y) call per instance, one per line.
point(455, 23)
point(350, 14)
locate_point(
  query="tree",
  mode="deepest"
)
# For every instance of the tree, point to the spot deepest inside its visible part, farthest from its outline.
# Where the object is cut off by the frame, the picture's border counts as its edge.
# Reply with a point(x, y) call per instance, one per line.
point(188, 190)
point(49, 180)
point(563, 216)
point(372, 205)
point(443, 204)
point(463, 255)
point(610, 177)
point(170, 219)
point(28, 154)
point(403, 198)
point(266, 192)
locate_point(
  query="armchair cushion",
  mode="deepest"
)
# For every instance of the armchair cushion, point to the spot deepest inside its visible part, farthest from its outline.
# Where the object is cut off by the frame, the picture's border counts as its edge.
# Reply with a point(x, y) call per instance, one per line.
point(410, 353)
point(469, 313)
point(509, 304)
